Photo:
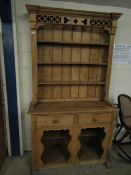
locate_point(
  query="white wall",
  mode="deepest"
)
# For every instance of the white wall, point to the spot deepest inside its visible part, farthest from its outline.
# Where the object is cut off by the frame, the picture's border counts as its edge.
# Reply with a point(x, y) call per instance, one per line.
point(120, 79)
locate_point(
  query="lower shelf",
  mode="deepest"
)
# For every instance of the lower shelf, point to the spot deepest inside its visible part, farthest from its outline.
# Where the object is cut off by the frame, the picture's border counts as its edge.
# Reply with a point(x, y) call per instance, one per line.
point(88, 153)
point(91, 144)
point(55, 146)
point(55, 154)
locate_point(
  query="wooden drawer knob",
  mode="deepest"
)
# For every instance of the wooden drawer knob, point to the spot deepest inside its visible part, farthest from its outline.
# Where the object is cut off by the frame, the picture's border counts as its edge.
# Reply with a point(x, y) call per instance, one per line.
point(55, 121)
point(94, 119)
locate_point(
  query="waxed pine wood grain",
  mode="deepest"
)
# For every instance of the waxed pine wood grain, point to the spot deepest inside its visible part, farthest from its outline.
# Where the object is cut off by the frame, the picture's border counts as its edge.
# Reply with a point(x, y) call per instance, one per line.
point(71, 66)
point(61, 63)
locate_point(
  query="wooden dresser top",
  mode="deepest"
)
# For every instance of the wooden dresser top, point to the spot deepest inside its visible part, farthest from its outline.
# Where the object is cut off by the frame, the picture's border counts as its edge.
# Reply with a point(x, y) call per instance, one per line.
point(71, 106)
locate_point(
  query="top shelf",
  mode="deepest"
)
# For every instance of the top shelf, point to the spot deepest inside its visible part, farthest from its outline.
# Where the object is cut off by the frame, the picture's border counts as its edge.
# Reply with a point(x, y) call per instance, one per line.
point(71, 43)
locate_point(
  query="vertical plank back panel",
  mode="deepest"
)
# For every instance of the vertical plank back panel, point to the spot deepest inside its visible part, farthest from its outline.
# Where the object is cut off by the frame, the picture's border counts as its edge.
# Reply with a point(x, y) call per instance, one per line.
point(57, 57)
point(66, 56)
point(85, 56)
point(76, 57)
point(45, 55)
point(72, 60)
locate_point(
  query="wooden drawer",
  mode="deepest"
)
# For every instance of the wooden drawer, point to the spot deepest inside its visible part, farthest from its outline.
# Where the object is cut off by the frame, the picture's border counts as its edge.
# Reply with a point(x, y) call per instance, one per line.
point(95, 118)
point(55, 120)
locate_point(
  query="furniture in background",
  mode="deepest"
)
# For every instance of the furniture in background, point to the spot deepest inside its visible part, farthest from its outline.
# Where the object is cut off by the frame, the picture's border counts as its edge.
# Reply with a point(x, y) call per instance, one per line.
point(72, 121)
point(124, 105)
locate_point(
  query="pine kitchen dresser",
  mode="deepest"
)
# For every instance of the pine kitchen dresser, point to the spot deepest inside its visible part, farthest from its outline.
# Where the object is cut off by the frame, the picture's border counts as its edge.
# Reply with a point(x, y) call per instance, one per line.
point(72, 121)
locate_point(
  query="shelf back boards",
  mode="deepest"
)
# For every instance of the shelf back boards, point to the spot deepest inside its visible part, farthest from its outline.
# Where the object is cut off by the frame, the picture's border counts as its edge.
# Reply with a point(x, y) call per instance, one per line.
point(71, 53)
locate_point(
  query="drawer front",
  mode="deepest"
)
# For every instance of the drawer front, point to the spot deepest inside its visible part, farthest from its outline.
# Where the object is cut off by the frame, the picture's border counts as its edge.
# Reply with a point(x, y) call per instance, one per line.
point(95, 118)
point(55, 120)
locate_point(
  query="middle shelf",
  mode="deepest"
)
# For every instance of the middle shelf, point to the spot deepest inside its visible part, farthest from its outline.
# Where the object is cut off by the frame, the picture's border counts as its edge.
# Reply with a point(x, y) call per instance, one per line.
point(72, 83)
point(100, 44)
point(71, 63)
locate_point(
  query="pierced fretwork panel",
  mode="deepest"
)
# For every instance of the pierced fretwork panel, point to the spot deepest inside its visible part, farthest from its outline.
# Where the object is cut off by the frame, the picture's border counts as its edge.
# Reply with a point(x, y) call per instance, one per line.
point(48, 19)
point(100, 22)
point(83, 21)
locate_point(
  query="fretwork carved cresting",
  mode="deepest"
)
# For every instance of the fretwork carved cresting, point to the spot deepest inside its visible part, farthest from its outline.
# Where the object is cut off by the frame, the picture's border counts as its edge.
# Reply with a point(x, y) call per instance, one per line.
point(100, 23)
point(85, 21)
point(48, 19)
